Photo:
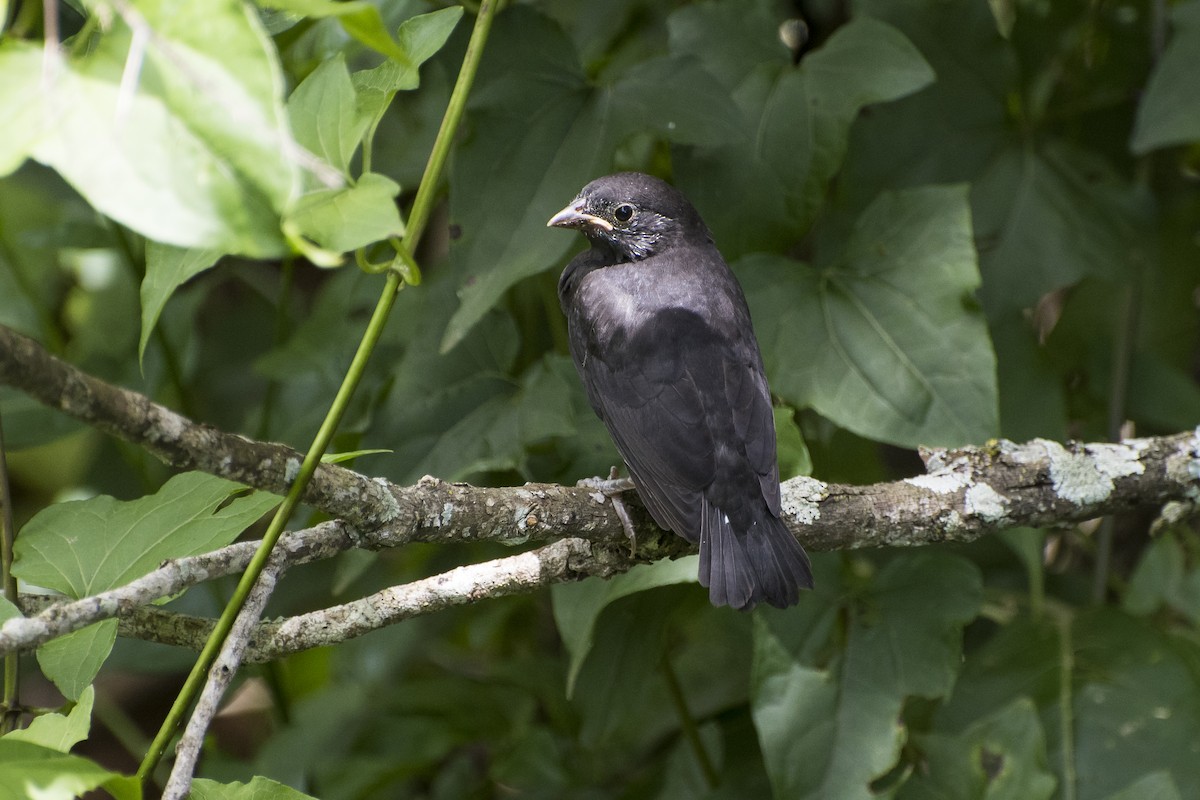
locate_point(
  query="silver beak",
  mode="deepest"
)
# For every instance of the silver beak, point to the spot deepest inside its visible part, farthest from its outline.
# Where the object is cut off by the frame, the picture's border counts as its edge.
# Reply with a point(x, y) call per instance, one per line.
point(573, 217)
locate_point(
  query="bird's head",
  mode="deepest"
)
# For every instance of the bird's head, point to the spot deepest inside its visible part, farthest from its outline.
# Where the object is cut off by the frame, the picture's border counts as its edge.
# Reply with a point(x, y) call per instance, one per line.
point(633, 215)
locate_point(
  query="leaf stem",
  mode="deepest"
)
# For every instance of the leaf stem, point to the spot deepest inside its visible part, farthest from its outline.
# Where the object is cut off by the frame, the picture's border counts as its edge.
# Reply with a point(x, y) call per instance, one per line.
point(422, 208)
point(1066, 719)
point(690, 731)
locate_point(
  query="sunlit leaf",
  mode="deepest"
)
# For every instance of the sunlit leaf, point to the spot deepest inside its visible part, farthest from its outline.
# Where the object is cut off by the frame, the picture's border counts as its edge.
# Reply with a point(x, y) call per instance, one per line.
point(361, 20)
point(30, 771)
point(175, 129)
point(60, 732)
point(20, 101)
point(340, 220)
point(323, 113)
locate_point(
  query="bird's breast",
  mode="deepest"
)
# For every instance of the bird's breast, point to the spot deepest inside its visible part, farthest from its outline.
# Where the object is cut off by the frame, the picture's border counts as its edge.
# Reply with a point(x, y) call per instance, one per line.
point(607, 305)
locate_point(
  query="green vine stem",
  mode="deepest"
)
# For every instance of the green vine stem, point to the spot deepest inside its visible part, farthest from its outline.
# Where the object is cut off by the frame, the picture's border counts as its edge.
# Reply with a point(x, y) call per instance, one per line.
point(418, 219)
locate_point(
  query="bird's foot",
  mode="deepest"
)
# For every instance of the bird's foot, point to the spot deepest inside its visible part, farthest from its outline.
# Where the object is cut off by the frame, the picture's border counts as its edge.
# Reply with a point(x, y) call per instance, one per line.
point(612, 487)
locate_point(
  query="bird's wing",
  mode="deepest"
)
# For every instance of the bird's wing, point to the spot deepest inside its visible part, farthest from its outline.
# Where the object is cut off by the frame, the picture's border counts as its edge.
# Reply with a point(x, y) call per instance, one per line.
point(689, 411)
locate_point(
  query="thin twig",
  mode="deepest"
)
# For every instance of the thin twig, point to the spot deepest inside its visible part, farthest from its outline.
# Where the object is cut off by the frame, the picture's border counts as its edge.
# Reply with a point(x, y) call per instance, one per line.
point(172, 577)
point(562, 561)
point(220, 676)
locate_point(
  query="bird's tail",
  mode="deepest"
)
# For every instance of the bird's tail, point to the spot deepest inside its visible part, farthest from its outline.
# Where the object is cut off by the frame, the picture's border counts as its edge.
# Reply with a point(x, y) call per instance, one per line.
point(764, 563)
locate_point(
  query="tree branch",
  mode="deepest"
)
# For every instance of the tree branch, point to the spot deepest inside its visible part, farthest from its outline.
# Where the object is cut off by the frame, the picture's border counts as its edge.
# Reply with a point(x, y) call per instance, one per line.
point(52, 617)
point(967, 492)
point(176, 440)
point(187, 752)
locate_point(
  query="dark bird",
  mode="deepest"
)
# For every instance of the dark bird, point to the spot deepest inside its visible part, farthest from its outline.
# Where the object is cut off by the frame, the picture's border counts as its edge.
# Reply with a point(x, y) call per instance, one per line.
point(661, 336)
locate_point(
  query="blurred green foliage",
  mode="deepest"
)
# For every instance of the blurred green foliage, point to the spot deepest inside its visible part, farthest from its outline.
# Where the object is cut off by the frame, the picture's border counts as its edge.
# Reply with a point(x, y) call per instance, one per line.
point(953, 219)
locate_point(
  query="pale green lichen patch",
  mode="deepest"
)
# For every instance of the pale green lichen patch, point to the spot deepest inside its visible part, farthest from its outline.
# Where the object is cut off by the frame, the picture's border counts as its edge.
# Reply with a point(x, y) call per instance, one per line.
point(1116, 460)
point(1183, 467)
point(801, 500)
point(1193, 466)
point(986, 503)
point(1088, 478)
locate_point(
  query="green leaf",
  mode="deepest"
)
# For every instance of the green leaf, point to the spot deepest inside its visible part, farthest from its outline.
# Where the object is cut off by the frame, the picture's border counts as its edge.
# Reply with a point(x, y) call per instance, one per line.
point(620, 698)
point(893, 347)
point(830, 732)
point(495, 434)
point(1155, 786)
point(341, 220)
point(338, 458)
point(1157, 578)
point(1022, 659)
point(1047, 212)
point(8, 610)
point(60, 732)
point(30, 771)
point(259, 788)
point(1169, 109)
point(1136, 704)
point(784, 693)
point(88, 546)
point(794, 458)
point(420, 37)
point(542, 133)
point(1000, 757)
point(195, 151)
point(72, 661)
point(324, 114)
point(732, 38)
point(441, 415)
point(1045, 219)
point(1024, 369)
point(577, 606)
point(361, 20)
point(20, 101)
point(1161, 394)
point(424, 35)
point(1128, 691)
point(794, 122)
point(167, 268)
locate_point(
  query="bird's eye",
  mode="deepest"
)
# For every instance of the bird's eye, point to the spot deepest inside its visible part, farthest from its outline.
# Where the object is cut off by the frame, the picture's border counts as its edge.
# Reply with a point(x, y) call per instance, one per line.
point(623, 212)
